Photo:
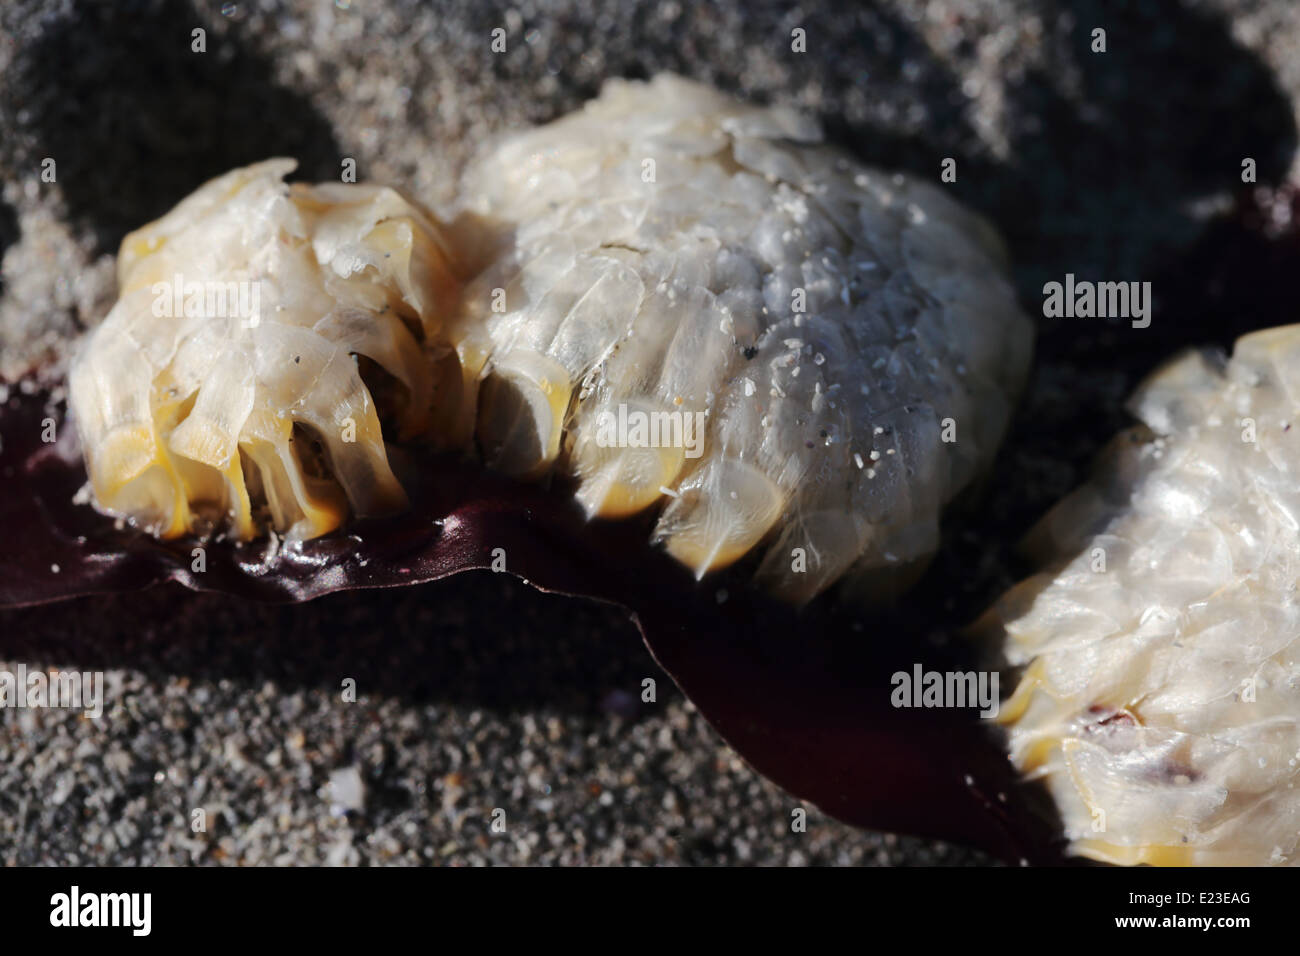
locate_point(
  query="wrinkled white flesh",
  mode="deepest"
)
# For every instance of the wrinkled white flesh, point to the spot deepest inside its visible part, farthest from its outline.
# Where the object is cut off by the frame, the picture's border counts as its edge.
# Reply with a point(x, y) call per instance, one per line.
point(1161, 697)
point(822, 439)
point(597, 290)
point(183, 417)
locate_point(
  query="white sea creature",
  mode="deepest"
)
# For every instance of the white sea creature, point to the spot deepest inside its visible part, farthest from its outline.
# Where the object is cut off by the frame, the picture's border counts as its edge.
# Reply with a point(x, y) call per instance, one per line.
point(223, 382)
point(685, 302)
point(1160, 698)
point(671, 255)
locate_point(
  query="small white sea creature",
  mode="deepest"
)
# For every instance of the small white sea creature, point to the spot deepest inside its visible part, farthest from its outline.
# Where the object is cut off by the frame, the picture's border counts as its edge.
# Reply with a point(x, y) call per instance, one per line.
point(223, 382)
point(674, 259)
point(1160, 697)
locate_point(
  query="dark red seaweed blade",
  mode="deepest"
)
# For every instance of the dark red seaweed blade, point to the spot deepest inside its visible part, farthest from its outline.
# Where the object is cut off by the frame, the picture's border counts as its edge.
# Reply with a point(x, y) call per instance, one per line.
point(799, 695)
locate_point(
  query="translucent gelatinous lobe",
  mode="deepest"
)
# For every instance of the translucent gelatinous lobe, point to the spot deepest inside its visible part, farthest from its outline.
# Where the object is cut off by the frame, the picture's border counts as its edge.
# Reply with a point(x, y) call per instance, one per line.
point(223, 387)
point(1159, 697)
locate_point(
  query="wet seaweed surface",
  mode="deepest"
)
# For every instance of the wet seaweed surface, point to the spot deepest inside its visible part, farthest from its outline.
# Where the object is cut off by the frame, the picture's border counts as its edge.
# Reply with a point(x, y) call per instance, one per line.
point(803, 695)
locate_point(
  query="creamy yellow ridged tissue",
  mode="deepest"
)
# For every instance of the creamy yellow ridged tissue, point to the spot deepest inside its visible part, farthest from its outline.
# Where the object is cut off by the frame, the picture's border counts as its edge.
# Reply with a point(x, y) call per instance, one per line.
point(223, 388)
point(683, 302)
point(1160, 698)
